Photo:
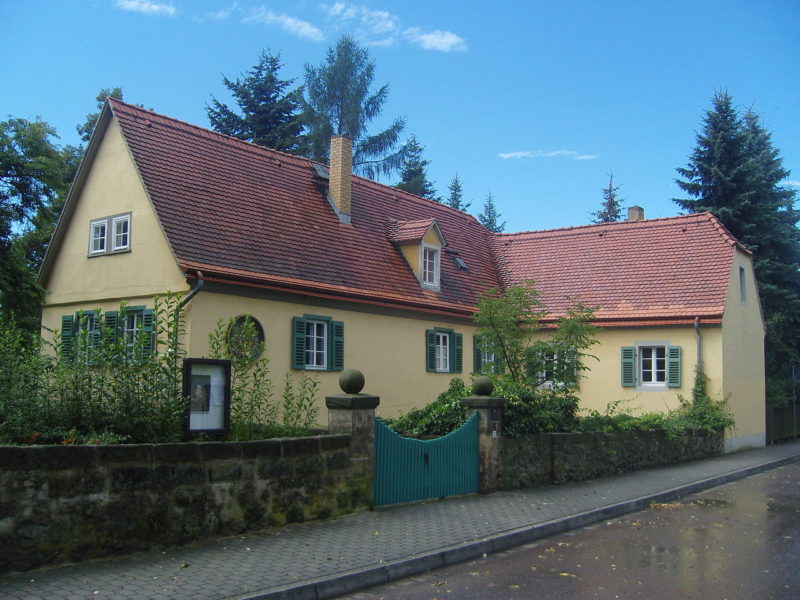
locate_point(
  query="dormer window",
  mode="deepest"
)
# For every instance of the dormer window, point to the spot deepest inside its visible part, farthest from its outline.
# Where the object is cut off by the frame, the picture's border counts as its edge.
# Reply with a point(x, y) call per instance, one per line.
point(430, 266)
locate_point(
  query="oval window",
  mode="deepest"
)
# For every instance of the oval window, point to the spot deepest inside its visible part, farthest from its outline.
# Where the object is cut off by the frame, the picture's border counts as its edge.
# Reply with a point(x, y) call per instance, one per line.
point(246, 338)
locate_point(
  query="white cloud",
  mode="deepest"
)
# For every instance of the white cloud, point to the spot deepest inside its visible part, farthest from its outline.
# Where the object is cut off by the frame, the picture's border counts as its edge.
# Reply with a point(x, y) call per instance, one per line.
point(382, 28)
point(444, 41)
point(546, 154)
point(302, 29)
point(146, 7)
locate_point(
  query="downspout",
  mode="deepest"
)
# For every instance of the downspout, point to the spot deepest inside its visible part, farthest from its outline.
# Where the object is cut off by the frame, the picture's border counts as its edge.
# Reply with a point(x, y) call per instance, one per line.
point(699, 364)
point(200, 282)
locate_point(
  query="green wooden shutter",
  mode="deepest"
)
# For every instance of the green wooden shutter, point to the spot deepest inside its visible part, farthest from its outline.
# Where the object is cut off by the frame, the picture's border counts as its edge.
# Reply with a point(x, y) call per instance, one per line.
point(337, 356)
point(531, 357)
point(477, 355)
point(430, 350)
point(456, 352)
point(298, 343)
point(67, 331)
point(628, 359)
point(571, 366)
point(148, 330)
point(673, 366)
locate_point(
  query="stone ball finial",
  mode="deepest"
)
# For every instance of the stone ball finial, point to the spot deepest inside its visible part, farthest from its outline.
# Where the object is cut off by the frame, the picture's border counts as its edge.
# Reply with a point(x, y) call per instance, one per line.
point(483, 386)
point(351, 381)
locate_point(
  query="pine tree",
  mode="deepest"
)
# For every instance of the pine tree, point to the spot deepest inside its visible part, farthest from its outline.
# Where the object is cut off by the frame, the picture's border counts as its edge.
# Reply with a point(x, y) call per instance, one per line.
point(87, 127)
point(489, 217)
point(413, 177)
point(270, 109)
point(455, 199)
point(611, 210)
point(338, 101)
point(735, 173)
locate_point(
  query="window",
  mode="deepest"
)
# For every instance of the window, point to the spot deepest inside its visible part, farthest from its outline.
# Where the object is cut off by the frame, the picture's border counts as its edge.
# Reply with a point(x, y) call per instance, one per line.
point(245, 338)
point(80, 335)
point(443, 351)
point(430, 266)
point(742, 285)
point(548, 368)
point(110, 235)
point(651, 366)
point(317, 343)
point(483, 360)
point(132, 330)
point(121, 225)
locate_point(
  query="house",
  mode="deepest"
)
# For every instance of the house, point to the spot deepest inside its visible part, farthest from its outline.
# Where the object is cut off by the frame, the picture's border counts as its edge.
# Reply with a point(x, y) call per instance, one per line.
point(343, 272)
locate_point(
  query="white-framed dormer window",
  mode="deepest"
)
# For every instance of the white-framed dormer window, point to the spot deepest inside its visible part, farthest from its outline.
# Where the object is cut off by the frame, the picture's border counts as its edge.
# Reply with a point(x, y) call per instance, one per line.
point(110, 235)
point(431, 261)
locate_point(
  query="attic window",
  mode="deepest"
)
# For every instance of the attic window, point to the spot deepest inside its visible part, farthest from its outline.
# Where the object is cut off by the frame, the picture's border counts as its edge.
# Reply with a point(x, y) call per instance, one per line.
point(430, 266)
point(110, 235)
point(460, 263)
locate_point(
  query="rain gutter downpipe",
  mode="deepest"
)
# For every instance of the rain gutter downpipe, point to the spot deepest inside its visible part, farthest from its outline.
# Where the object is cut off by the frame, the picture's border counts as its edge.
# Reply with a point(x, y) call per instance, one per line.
point(200, 282)
point(699, 364)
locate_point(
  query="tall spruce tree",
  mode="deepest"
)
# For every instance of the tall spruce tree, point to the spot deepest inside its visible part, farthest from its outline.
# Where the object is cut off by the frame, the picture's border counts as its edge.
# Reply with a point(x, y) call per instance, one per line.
point(611, 210)
point(489, 217)
point(338, 101)
point(735, 173)
point(456, 197)
point(413, 176)
point(270, 109)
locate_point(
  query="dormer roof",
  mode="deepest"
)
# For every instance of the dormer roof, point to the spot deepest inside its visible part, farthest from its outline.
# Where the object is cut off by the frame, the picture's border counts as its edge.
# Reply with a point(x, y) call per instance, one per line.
point(403, 232)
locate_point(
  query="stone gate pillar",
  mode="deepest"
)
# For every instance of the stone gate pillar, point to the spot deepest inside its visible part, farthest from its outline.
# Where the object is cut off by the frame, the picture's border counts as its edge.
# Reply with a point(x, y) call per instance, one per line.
point(490, 417)
point(353, 413)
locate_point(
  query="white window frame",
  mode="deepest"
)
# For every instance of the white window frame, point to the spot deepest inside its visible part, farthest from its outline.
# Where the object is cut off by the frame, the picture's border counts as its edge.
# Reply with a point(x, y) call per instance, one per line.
point(97, 237)
point(131, 323)
point(443, 352)
point(316, 345)
point(430, 268)
point(641, 348)
point(108, 238)
point(116, 221)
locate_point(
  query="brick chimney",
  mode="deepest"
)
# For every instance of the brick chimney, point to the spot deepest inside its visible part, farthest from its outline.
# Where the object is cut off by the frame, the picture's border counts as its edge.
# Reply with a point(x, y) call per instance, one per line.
point(341, 176)
point(635, 213)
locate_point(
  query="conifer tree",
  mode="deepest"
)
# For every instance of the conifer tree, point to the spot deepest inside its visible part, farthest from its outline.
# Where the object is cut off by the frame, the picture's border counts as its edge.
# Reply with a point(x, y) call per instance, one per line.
point(455, 199)
point(735, 173)
point(338, 101)
point(611, 210)
point(270, 108)
point(489, 217)
point(413, 177)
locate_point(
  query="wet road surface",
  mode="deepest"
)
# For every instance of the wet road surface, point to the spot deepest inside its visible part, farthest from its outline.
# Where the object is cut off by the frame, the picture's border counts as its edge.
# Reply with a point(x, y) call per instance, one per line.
point(740, 541)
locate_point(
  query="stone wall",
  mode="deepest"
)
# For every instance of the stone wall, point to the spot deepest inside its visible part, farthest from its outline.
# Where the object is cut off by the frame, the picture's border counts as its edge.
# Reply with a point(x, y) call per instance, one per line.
point(561, 457)
point(66, 503)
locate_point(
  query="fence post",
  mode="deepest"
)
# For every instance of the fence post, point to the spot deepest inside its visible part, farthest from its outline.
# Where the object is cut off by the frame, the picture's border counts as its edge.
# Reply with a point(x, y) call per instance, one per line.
point(490, 421)
point(353, 413)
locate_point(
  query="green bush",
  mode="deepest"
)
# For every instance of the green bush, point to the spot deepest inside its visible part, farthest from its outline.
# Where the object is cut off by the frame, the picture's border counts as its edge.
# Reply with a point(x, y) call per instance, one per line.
point(440, 417)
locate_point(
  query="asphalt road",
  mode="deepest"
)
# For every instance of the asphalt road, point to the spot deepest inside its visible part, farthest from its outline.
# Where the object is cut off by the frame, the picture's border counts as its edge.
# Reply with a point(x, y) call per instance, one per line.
point(740, 541)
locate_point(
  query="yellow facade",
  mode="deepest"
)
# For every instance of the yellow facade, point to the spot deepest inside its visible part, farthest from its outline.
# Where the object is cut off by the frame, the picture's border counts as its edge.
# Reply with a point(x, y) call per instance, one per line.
point(388, 346)
point(77, 280)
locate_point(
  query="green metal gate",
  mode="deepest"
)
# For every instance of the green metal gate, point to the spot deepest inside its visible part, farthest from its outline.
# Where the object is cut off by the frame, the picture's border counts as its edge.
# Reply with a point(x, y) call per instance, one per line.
point(407, 469)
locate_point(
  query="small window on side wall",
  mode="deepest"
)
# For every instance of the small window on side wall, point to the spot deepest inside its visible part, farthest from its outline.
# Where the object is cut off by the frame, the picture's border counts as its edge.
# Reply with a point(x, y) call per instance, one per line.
point(443, 350)
point(245, 338)
point(651, 366)
point(110, 235)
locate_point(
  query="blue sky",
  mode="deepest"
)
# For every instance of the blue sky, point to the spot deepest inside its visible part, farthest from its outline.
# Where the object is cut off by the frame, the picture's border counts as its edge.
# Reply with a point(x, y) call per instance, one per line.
point(534, 101)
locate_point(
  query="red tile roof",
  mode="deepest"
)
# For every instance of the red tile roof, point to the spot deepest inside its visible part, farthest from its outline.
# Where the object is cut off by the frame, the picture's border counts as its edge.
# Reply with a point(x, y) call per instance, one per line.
point(241, 212)
point(634, 272)
point(247, 214)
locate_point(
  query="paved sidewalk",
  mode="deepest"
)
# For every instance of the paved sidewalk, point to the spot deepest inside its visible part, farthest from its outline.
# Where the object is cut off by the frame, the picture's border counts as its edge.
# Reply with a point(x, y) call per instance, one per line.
point(324, 559)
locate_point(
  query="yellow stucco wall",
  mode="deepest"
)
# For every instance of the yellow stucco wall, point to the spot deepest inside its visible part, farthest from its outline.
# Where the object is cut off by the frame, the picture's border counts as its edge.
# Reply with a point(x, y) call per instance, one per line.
point(743, 360)
point(389, 350)
point(78, 281)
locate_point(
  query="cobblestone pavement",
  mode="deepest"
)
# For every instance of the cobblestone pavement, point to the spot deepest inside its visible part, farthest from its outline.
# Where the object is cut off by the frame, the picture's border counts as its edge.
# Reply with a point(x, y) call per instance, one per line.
point(326, 558)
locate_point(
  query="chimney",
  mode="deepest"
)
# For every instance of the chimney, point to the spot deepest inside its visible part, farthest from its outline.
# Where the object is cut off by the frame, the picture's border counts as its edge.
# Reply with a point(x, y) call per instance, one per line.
point(341, 175)
point(635, 213)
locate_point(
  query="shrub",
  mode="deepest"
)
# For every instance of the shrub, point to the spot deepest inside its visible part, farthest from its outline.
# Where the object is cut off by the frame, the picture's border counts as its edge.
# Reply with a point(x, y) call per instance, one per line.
point(440, 417)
